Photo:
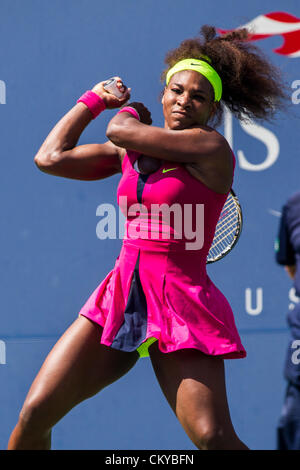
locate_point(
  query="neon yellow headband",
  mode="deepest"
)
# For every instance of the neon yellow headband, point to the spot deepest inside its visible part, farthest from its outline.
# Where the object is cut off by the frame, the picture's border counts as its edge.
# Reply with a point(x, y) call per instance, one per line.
point(202, 67)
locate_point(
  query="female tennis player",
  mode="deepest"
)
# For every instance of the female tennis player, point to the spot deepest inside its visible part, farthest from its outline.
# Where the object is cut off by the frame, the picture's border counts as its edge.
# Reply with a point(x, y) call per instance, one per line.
point(158, 300)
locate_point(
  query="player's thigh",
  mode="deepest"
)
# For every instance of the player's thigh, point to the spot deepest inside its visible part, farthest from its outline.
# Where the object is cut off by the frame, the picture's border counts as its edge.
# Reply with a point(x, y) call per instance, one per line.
point(76, 368)
point(194, 385)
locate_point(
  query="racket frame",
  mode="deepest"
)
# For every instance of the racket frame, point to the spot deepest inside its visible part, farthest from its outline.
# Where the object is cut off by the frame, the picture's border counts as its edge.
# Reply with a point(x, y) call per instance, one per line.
point(236, 235)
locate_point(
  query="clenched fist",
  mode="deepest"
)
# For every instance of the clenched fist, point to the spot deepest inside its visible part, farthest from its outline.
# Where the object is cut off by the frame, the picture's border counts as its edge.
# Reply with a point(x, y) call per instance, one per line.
point(110, 100)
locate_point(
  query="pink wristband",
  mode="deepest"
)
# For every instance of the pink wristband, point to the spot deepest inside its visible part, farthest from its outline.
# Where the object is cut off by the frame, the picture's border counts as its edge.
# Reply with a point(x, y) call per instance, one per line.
point(131, 111)
point(93, 101)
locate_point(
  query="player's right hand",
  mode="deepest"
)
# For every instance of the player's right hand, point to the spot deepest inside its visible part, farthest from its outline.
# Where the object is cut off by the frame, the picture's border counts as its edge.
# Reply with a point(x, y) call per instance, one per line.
point(111, 101)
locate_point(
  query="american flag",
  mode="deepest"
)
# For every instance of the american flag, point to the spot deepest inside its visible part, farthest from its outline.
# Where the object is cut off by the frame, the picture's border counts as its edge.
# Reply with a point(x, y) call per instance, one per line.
point(275, 24)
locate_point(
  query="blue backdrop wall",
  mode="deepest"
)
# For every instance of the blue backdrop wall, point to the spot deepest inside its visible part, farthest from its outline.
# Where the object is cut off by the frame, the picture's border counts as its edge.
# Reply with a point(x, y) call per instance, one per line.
point(51, 257)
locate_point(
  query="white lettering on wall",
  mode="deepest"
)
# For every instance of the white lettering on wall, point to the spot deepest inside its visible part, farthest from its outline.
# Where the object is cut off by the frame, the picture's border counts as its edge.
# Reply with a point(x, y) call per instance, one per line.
point(2, 92)
point(254, 307)
point(228, 126)
point(2, 352)
point(268, 138)
point(258, 132)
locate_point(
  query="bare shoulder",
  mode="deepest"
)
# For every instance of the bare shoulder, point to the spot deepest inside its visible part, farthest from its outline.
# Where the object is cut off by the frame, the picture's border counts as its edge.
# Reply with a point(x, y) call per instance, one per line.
point(223, 150)
point(216, 171)
point(218, 150)
point(215, 137)
point(210, 143)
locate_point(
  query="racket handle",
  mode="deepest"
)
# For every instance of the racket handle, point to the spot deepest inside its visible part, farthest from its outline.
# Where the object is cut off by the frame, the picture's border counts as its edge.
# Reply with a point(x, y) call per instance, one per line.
point(111, 87)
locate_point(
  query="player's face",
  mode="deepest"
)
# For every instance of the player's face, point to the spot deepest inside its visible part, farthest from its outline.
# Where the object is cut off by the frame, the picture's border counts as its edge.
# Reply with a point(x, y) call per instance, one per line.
point(188, 100)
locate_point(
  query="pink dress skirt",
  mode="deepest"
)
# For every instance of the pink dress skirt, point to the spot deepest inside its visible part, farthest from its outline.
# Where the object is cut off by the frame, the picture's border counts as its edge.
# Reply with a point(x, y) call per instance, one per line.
point(158, 288)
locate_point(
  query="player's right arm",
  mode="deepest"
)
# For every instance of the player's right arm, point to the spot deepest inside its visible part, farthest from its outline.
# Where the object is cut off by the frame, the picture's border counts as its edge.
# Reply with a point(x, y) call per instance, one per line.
point(59, 154)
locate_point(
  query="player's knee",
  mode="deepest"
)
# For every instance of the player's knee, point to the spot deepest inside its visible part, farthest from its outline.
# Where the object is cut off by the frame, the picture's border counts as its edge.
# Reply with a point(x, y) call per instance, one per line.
point(209, 436)
point(31, 418)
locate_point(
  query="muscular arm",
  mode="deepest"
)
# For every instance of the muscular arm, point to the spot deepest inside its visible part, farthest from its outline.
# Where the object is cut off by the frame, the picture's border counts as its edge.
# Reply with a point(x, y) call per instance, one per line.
point(201, 146)
point(187, 145)
point(59, 154)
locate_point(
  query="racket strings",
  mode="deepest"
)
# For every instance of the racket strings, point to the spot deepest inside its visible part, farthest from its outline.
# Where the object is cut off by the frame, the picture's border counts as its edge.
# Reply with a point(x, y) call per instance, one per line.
point(227, 213)
point(227, 229)
point(222, 243)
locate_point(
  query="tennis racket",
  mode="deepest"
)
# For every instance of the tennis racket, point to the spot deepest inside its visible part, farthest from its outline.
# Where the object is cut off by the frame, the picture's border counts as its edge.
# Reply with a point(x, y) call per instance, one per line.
point(228, 229)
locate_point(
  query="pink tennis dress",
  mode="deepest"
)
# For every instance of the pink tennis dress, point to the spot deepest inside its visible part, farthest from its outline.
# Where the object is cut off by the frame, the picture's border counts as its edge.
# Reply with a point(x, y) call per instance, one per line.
point(159, 288)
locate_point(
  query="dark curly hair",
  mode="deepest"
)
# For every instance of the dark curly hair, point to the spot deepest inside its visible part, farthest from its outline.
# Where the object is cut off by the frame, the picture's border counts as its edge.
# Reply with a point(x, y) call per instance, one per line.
point(253, 87)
